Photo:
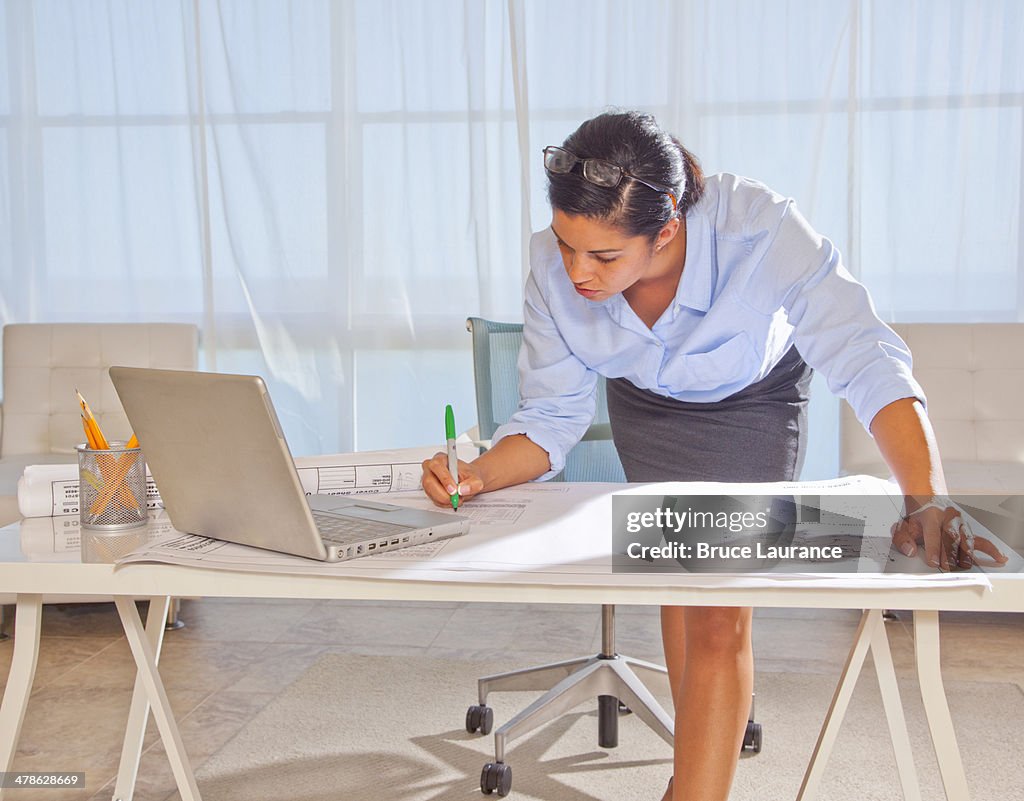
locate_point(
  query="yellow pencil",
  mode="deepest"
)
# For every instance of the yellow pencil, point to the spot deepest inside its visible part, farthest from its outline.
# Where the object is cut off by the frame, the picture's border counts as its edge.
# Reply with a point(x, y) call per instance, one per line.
point(90, 439)
point(90, 419)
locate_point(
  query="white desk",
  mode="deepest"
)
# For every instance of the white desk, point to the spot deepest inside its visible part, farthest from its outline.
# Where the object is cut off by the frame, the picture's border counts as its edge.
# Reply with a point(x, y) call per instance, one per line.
point(65, 574)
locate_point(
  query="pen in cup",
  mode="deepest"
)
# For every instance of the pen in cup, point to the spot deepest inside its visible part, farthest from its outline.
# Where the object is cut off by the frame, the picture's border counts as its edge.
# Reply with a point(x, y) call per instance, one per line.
point(453, 459)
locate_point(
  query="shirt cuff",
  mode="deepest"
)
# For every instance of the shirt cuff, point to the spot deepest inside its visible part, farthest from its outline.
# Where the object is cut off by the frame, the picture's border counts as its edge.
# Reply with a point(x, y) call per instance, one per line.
point(539, 438)
point(892, 389)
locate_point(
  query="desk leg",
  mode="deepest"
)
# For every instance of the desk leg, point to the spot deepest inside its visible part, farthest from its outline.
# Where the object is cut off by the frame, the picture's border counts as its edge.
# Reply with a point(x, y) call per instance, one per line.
point(837, 709)
point(940, 724)
point(145, 661)
point(138, 716)
point(886, 672)
point(19, 679)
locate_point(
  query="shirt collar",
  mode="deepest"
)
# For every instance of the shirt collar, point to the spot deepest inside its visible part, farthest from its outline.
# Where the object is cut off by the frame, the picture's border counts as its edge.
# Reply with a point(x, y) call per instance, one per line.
point(694, 289)
point(616, 307)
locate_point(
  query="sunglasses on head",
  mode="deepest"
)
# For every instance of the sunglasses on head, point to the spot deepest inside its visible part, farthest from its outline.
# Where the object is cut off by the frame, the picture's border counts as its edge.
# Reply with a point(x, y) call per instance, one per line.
point(599, 172)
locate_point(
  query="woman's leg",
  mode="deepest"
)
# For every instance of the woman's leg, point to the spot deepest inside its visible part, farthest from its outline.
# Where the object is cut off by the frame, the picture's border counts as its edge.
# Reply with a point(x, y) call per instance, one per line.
point(710, 662)
point(673, 639)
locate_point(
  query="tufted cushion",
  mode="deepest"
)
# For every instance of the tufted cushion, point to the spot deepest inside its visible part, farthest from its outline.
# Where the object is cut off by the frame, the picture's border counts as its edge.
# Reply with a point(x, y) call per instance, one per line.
point(973, 375)
point(44, 363)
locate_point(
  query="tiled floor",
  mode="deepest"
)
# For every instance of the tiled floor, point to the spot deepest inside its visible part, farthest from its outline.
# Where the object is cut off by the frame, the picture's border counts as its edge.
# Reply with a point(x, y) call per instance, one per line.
point(233, 657)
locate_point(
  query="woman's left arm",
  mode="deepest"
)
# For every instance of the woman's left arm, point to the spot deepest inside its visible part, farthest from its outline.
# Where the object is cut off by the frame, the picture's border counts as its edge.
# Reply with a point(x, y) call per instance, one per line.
point(906, 441)
point(839, 334)
point(905, 438)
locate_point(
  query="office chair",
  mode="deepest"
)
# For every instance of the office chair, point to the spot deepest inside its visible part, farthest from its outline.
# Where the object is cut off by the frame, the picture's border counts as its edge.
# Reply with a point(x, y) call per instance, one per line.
point(612, 677)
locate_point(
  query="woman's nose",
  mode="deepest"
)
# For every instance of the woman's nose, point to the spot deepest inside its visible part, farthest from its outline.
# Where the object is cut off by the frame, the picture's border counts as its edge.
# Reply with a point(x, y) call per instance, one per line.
point(577, 269)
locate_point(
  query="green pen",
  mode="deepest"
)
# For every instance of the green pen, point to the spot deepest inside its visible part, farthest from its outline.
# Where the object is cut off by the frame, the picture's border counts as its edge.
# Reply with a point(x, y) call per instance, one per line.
point(453, 459)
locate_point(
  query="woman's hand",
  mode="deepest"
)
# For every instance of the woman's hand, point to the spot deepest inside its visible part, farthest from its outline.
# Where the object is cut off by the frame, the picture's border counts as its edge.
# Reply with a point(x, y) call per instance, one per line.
point(949, 543)
point(438, 483)
point(513, 460)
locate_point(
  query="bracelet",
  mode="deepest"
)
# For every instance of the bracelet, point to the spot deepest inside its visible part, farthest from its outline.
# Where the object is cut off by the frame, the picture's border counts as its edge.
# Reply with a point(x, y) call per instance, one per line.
point(959, 531)
point(937, 502)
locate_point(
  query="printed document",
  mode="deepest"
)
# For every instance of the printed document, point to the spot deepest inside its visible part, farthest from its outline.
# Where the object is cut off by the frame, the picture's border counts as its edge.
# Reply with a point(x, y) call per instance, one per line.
point(52, 490)
point(533, 532)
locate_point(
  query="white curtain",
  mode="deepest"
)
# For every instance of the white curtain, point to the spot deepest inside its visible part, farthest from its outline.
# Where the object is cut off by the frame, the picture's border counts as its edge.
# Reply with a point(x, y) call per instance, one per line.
point(329, 188)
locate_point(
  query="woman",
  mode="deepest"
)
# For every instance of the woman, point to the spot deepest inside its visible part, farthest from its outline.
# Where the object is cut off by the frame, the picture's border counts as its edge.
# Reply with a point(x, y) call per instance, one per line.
point(705, 302)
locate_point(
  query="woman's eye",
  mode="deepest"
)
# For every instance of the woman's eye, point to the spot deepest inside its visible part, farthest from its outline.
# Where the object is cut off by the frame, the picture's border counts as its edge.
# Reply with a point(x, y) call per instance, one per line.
point(604, 260)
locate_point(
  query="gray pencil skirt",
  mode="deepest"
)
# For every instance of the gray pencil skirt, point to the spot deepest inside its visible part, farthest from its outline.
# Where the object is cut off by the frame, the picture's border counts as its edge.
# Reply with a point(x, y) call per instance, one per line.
point(756, 434)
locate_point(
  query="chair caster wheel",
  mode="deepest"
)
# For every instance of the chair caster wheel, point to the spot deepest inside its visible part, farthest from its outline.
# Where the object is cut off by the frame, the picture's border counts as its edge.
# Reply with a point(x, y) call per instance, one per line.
point(752, 738)
point(496, 777)
point(479, 718)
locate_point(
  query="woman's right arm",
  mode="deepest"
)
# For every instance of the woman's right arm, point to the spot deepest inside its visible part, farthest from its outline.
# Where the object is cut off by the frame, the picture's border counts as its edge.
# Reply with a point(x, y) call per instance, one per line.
point(558, 394)
point(513, 460)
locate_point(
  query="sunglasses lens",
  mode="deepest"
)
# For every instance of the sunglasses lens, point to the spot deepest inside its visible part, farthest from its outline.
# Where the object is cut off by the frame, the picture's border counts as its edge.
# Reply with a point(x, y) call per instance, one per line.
point(558, 160)
point(602, 173)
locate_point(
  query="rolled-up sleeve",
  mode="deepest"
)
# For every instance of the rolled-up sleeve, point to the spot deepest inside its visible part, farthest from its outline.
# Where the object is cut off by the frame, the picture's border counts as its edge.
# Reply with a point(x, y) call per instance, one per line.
point(558, 391)
point(836, 328)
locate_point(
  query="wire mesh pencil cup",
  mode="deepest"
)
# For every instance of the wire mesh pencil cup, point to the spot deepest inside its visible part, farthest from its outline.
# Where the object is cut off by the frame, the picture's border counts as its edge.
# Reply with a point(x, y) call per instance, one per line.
point(112, 487)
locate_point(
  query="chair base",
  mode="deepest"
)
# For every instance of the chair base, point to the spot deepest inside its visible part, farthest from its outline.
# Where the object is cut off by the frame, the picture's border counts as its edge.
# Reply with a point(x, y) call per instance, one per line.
point(614, 680)
point(574, 681)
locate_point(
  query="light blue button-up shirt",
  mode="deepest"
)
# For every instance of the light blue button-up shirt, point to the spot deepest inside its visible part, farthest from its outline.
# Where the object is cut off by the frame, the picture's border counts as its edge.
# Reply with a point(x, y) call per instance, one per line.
point(757, 280)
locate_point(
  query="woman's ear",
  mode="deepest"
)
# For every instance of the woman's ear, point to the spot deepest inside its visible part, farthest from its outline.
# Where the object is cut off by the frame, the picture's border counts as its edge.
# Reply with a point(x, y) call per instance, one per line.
point(666, 234)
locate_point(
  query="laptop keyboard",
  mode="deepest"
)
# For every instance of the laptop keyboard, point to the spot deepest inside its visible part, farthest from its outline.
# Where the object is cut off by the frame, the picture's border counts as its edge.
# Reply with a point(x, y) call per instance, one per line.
point(341, 530)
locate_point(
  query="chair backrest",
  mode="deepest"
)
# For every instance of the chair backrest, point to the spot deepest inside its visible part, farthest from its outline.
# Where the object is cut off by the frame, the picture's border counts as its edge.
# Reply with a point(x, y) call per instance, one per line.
point(973, 375)
point(495, 354)
point(44, 363)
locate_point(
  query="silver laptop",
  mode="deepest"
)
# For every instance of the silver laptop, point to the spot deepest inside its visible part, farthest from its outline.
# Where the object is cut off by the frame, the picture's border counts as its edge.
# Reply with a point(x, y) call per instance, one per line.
point(216, 451)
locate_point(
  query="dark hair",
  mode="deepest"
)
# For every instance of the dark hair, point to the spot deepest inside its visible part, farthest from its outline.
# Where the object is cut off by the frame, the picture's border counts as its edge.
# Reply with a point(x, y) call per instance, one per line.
point(635, 142)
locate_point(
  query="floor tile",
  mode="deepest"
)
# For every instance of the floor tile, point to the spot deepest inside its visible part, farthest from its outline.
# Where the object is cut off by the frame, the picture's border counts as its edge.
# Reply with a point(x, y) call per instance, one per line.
point(786, 612)
point(204, 730)
point(330, 624)
point(970, 652)
point(399, 604)
point(512, 629)
point(195, 665)
point(803, 645)
point(538, 607)
point(213, 619)
point(1011, 619)
point(57, 655)
point(83, 620)
point(82, 729)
